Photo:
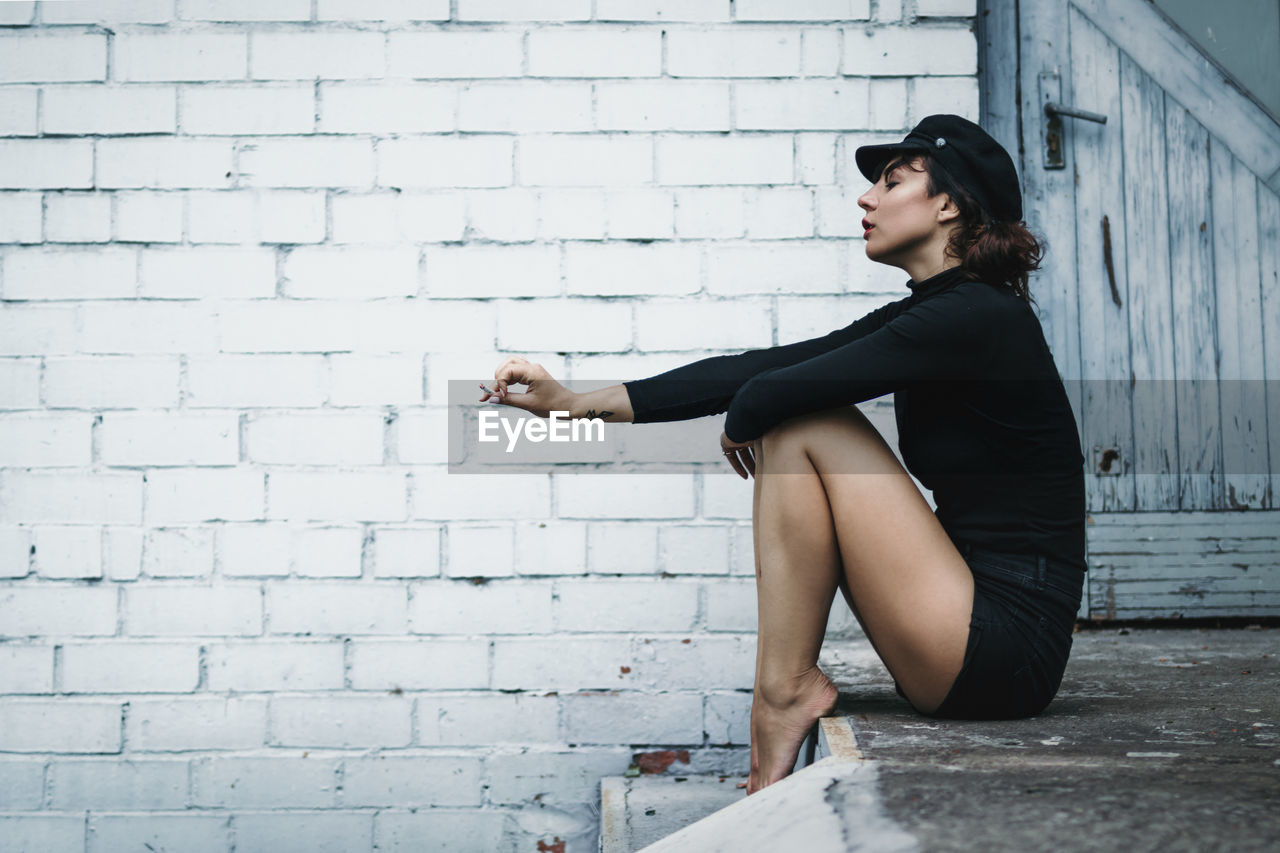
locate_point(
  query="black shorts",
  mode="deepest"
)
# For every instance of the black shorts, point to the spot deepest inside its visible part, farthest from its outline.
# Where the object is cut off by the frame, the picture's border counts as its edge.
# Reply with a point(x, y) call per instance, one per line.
point(1020, 635)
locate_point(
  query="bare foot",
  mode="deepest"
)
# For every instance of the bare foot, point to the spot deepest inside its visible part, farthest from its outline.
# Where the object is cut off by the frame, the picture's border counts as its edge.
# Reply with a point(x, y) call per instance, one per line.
point(780, 719)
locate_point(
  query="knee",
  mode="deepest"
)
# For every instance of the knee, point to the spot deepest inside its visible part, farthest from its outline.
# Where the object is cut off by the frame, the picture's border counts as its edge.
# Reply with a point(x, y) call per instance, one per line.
point(803, 428)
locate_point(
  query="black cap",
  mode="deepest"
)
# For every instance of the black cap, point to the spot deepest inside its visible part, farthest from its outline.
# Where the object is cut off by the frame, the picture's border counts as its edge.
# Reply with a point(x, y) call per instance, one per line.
point(968, 153)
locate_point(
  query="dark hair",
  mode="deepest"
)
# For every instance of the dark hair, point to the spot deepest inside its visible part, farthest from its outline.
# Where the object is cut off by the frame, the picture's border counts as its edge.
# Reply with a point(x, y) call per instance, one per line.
point(995, 251)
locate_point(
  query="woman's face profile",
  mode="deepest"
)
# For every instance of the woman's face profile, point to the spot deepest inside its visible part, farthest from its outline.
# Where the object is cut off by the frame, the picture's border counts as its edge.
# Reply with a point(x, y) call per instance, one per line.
point(903, 220)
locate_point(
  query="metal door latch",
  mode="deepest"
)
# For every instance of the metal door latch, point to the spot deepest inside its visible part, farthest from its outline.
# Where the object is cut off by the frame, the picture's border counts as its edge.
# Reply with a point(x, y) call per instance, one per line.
point(1054, 110)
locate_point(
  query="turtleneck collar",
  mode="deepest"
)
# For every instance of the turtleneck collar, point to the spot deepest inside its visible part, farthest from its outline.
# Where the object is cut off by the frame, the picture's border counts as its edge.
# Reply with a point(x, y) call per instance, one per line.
point(936, 282)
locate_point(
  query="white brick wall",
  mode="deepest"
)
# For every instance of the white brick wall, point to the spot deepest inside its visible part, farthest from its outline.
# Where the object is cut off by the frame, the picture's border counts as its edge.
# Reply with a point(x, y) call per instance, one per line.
point(243, 248)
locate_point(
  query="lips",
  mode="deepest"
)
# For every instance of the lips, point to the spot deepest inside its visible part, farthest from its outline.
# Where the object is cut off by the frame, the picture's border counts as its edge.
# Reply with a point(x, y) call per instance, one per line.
point(866, 227)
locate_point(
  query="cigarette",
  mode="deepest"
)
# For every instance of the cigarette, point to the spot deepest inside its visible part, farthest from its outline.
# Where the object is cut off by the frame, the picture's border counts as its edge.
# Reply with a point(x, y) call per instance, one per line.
point(488, 390)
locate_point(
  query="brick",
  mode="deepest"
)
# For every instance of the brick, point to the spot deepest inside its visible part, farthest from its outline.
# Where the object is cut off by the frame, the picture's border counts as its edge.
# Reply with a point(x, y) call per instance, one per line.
point(38, 440)
point(108, 12)
point(168, 439)
point(917, 50)
point(275, 666)
point(701, 550)
point(185, 552)
point(402, 832)
point(193, 723)
point(419, 664)
point(730, 605)
point(151, 216)
point(523, 10)
point(635, 718)
point(715, 212)
point(641, 214)
point(93, 273)
point(505, 214)
point(15, 552)
point(623, 548)
point(197, 57)
point(699, 662)
point(421, 216)
point(337, 495)
point(46, 833)
point(53, 610)
point(111, 382)
point(68, 552)
point(37, 329)
point(25, 668)
point(494, 607)
point(290, 216)
point(562, 663)
point(112, 784)
point(725, 496)
point(946, 8)
point(340, 721)
point(454, 53)
point(662, 105)
point(569, 325)
point(442, 780)
point(594, 52)
point(316, 832)
point(779, 213)
point(305, 163)
point(20, 218)
point(40, 163)
point(178, 496)
point(702, 160)
point(625, 495)
point(375, 380)
point(254, 550)
point(551, 548)
point(804, 317)
point(466, 161)
point(801, 10)
point(333, 272)
point(249, 381)
point(21, 787)
point(191, 833)
point(476, 551)
point(418, 325)
point(889, 10)
point(36, 57)
point(336, 608)
point(746, 52)
point(222, 11)
point(256, 109)
point(422, 436)
point(632, 604)
point(517, 778)
point(166, 610)
point(820, 52)
point(727, 718)
point(439, 495)
point(406, 553)
point(284, 326)
point(887, 103)
point(207, 272)
point(618, 270)
point(320, 438)
point(792, 266)
point(318, 53)
point(59, 725)
point(120, 667)
point(489, 719)
point(385, 108)
point(838, 214)
point(264, 782)
point(803, 104)
point(576, 160)
point(571, 213)
point(146, 327)
point(327, 552)
point(663, 324)
point(165, 162)
point(78, 217)
point(69, 497)
point(662, 10)
point(90, 109)
point(488, 270)
point(955, 95)
point(816, 156)
point(122, 552)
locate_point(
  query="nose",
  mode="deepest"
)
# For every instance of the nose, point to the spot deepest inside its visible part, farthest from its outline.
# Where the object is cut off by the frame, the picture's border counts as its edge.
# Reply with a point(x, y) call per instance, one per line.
point(866, 201)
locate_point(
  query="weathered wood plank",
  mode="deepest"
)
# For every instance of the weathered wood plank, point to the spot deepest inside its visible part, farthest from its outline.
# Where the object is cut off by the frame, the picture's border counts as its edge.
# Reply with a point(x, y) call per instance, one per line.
point(1269, 273)
point(1233, 191)
point(1106, 397)
point(1194, 317)
point(1146, 205)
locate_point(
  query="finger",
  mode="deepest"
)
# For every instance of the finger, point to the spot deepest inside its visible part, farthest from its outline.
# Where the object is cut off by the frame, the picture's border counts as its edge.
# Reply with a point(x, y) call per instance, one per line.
point(737, 465)
point(750, 460)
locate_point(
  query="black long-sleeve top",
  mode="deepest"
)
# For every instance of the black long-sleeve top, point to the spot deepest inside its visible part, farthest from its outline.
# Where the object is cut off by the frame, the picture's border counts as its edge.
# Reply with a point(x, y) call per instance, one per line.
point(983, 418)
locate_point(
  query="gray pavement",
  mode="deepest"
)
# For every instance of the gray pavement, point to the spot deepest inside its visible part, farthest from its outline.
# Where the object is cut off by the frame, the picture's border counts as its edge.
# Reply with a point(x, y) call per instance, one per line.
point(1161, 739)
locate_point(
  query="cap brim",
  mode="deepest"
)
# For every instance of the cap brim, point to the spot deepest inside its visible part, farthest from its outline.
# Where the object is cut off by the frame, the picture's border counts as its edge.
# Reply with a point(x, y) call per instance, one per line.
point(870, 158)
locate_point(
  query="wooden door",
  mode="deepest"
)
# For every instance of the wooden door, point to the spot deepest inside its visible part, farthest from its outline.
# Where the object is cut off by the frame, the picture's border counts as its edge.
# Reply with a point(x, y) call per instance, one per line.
point(1160, 296)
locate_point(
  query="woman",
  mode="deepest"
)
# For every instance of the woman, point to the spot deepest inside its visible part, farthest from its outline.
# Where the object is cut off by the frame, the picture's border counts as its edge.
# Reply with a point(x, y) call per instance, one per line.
point(971, 609)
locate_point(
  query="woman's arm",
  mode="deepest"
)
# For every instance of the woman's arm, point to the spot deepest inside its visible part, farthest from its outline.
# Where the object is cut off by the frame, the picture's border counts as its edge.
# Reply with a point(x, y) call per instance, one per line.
point(544, 395)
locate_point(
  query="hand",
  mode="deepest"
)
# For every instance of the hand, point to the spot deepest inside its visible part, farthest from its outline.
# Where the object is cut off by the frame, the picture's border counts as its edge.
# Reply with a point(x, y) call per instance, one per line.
point(543, 396)
point(741, 454)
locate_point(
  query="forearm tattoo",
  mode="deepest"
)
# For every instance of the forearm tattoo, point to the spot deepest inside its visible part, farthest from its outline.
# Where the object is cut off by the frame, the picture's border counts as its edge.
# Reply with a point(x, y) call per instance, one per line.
point(602, 414)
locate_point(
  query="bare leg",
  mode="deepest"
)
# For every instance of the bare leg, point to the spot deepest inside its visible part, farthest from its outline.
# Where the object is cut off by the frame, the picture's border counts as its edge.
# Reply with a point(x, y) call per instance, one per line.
point(816, 521)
